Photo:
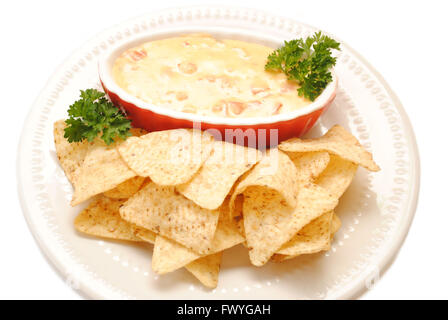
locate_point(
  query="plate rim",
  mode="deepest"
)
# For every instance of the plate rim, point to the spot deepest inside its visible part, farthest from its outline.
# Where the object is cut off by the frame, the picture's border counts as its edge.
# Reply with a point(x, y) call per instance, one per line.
point(388, 259)
point(351, 291)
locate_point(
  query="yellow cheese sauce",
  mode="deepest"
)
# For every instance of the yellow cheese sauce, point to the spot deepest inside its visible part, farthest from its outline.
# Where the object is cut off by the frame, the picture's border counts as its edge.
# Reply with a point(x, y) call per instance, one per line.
point(199, 74)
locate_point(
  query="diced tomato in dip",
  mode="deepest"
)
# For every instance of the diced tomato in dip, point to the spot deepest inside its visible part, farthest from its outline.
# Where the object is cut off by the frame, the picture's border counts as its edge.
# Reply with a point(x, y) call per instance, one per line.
point(199, 74)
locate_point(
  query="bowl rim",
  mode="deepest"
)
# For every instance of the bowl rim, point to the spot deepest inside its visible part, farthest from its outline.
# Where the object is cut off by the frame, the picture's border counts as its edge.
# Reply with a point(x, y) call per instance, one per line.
point(105, 64)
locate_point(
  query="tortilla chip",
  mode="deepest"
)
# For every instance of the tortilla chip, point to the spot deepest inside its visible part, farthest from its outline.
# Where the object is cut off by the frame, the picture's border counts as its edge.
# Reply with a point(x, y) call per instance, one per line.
point(309, 164)
point(335, 224)
point(206, 269)
point(274, 171)
point(103, 169)
point(168, 157)
point(145, 235)
point(269, 222)
point(312, 238)
point(164, 211)
point(213, 182)
point(101, 218)
point(70, 155)
point(336, 141)
point(317, 235)
point(125, 189)
point(169, 255)
point(337, 176)
point(310, 241)
point(237, 215)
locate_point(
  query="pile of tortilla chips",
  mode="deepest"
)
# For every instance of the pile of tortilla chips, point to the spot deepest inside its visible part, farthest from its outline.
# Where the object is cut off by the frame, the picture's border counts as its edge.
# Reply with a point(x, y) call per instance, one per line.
point(193, 197)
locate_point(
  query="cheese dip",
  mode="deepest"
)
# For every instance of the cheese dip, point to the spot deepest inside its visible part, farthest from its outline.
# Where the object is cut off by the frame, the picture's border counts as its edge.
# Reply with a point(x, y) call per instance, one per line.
point(201, 75)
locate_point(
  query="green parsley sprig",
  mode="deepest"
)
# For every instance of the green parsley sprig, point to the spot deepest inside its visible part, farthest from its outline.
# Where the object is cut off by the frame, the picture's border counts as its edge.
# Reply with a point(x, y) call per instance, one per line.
point(94, 114)
point(308, 62)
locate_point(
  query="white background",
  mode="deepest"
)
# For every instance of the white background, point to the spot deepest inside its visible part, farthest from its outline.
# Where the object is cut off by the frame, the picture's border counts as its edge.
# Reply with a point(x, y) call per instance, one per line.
point(405, 41)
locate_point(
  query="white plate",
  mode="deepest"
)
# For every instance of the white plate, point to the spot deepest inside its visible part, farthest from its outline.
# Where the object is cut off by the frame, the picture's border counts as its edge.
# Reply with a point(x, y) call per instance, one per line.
point(376, 211)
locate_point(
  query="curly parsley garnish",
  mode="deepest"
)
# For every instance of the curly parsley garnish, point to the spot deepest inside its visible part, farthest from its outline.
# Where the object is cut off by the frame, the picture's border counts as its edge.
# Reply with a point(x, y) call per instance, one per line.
point(306, 62)
point(94, 114)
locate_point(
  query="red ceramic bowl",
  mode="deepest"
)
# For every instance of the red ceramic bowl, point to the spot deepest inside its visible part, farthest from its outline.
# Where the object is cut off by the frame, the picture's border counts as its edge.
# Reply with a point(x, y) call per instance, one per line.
point(258, 132)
